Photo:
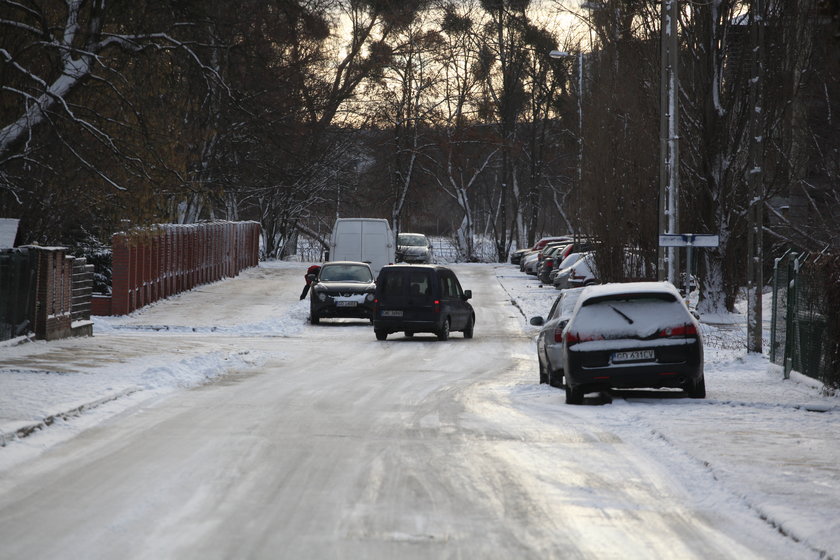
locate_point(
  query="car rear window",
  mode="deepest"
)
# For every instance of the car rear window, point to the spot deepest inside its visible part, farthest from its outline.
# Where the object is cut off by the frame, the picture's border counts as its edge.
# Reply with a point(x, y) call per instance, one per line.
point(637, 314)
point(406, 282)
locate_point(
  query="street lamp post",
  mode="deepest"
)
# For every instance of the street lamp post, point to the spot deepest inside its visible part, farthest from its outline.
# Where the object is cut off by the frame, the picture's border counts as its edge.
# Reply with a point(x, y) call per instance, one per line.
point(669, 160)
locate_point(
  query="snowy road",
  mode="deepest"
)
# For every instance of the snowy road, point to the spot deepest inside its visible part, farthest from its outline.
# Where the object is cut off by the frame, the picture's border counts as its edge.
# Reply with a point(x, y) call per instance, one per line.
point(335, 445)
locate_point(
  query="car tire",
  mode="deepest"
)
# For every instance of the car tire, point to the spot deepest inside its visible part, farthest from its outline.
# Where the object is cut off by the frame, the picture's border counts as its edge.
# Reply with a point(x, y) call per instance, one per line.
point(443, 333)
point(543, 374)
point(697, 389)
point(554, 379)
point(409, 334)
point(380, 335)
point(574, 395)
point(468, 332)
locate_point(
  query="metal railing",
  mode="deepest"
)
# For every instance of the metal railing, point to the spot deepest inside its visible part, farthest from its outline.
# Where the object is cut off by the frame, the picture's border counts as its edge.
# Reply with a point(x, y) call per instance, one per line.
point(804, 333)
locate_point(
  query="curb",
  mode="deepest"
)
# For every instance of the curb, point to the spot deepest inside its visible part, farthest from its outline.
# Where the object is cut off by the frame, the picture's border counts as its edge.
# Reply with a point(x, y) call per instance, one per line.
point(29, 429)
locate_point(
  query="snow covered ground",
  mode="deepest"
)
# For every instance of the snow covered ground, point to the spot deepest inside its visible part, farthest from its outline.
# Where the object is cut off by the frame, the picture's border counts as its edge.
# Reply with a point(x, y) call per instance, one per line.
point(757, 442)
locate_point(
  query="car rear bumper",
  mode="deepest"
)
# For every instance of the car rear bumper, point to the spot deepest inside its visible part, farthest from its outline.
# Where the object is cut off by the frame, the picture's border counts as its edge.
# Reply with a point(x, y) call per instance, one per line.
point(398, 325)
point(584, 371)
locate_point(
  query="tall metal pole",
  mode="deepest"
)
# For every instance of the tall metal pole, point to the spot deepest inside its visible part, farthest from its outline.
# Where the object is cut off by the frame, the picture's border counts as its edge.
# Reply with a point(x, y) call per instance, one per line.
point(669, 159)
point(755, 176)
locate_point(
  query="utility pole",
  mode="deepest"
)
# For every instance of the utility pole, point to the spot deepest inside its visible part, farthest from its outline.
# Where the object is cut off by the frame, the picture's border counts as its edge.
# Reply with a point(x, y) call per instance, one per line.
point(755, 181)
point(669, 160)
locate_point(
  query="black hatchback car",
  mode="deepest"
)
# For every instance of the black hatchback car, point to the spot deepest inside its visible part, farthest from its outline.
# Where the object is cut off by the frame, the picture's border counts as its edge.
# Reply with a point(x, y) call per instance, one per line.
point(421, 298)
point(637, 334)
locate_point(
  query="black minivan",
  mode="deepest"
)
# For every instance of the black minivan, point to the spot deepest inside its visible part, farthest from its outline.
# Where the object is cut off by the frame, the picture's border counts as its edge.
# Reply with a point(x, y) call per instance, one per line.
point(421, 298)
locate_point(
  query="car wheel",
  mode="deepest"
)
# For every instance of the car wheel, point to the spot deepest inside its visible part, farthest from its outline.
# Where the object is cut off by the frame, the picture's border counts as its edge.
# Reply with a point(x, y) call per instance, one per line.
point(443, 333)
point(697, 389)
point(409, 334)
point(574, 395)
point(380, 335)
point(468, 332)
point(313, 317)
point(543, 374)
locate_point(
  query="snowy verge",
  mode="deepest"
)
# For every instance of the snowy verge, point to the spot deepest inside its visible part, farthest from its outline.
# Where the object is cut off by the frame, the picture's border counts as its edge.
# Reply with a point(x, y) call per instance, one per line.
point(71, 394)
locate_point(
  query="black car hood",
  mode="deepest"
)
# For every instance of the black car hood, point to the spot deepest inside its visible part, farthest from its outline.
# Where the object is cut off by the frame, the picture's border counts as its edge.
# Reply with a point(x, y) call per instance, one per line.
point(355, 287)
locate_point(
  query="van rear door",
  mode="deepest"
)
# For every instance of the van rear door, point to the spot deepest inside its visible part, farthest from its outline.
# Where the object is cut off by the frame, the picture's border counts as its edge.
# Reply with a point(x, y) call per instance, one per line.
point(408, 291)
point(348, 241)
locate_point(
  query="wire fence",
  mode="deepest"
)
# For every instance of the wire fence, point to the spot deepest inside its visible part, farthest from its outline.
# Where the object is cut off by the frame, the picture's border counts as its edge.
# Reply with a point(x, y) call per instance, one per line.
point(805, 329)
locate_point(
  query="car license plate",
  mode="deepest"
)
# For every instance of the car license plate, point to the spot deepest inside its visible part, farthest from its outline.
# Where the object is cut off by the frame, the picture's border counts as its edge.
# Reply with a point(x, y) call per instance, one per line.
point(391, 313)
point(633, 356)
point(346, 304)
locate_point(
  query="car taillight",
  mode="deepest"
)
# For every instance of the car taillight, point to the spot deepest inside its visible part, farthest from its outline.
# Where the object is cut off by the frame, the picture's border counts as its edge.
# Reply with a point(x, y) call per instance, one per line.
point(558, 334)
point(437, 306)
point(682, 330)
point(574, 338)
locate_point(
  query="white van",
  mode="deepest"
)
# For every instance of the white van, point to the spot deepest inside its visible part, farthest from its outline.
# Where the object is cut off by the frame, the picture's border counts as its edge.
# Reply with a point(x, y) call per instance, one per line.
point(367, 240)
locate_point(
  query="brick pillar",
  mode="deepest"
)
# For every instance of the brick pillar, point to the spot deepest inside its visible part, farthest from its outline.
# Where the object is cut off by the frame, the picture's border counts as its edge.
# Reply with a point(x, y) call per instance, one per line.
point(120, 274)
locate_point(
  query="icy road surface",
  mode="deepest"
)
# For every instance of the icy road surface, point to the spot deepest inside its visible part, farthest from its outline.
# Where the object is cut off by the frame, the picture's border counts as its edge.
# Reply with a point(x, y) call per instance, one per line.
point(330, 444)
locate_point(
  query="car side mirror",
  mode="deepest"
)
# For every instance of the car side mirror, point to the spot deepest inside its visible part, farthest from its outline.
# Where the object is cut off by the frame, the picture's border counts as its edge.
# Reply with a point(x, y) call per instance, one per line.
point(467, 294)
point(537, 321)
point(311, 277)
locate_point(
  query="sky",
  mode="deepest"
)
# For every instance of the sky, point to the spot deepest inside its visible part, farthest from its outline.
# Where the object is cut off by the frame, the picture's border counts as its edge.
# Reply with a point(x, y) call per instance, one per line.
point(758, 442)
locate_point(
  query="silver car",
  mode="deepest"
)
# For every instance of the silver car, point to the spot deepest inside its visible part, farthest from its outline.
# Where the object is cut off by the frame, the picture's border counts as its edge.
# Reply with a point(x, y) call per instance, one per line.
point(414, 248)
point(550, 339)
point(561, 273)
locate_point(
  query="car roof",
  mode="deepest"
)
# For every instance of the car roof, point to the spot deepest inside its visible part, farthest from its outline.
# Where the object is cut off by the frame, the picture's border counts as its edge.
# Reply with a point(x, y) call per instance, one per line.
point(345, 262)
point(406, 266)
point(620, 288)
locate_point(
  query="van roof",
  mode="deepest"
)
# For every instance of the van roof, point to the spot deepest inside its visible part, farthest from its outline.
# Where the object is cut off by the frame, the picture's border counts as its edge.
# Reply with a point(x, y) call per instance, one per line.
point(415, 266)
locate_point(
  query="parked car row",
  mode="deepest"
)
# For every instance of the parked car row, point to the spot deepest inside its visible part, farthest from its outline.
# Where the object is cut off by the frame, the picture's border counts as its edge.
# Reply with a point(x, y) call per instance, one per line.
point(617, 335)
point(560, 261)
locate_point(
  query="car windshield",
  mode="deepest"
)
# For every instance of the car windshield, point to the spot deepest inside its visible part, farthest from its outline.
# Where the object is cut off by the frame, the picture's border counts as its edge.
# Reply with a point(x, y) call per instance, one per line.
point(411, 240)
point(345, 273)
point(570, 260)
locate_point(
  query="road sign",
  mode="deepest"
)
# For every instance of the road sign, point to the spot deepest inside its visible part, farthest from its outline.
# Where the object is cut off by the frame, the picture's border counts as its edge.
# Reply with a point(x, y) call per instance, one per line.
point(688, 240)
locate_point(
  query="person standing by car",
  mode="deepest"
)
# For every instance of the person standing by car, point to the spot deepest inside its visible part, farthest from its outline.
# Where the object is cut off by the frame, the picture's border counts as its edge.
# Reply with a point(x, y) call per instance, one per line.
point(311, 273)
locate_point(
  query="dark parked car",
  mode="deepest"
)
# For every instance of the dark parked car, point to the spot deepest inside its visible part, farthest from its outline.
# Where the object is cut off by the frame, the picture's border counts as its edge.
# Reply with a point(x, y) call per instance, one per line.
point(421, 298)
point(342, 289)
point(550, 339)
point(636, 334)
